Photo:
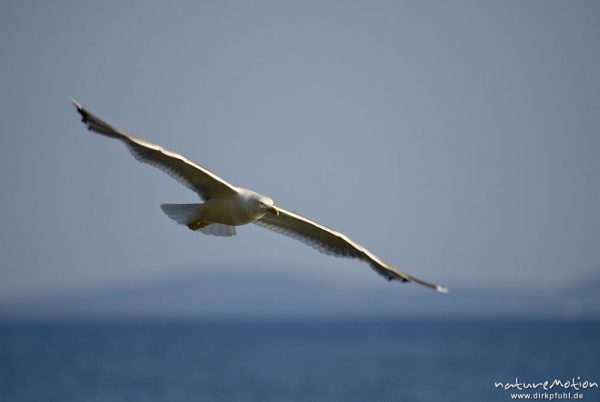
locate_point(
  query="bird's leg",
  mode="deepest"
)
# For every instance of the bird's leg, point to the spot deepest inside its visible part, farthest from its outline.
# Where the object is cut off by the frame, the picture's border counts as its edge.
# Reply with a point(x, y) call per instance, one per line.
point(197, 224)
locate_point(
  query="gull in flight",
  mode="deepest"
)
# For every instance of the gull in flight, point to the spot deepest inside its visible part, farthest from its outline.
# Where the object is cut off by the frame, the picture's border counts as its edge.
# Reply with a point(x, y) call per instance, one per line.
point(226, 206)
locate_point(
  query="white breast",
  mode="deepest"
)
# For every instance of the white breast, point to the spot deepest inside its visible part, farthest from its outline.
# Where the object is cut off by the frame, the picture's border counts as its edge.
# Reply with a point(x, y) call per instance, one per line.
point(234, 210)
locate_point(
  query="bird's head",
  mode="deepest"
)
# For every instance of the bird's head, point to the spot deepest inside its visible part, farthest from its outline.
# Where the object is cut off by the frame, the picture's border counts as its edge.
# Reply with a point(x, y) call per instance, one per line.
point(265, 204)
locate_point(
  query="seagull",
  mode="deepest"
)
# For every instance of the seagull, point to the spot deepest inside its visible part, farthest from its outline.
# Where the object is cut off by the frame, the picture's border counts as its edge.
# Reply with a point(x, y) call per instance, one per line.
point(226, 206)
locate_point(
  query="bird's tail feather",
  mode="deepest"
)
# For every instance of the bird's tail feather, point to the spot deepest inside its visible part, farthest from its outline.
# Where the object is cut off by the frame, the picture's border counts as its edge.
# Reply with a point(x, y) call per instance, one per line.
point(186, 214)
point(182, 213)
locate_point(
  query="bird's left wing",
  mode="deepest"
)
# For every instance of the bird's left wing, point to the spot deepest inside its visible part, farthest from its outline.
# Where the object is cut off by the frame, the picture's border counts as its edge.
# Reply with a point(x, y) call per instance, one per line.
point(198, 179)
point(332, 242)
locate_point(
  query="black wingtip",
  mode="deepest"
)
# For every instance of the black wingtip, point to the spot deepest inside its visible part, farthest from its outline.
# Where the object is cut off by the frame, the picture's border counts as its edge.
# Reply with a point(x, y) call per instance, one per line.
point(84, 114)
point(437, 288)
point(442, 289)
point(76, 104)
point(80, 109)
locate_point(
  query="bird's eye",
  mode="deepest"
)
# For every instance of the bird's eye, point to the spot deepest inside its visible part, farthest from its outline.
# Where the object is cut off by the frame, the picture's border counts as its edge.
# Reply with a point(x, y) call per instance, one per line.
point(260, 204)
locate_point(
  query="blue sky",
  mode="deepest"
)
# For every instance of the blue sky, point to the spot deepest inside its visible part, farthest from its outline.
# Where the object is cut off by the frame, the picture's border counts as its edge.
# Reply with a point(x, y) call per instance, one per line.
point(459, 141)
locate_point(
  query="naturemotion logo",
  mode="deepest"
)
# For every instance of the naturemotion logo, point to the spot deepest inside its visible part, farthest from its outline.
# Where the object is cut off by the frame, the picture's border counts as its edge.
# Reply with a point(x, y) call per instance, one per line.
point(537, 390)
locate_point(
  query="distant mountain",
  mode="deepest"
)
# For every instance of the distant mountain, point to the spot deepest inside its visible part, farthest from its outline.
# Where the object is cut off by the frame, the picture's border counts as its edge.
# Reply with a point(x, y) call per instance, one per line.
point(583, 300)
point(228, 296)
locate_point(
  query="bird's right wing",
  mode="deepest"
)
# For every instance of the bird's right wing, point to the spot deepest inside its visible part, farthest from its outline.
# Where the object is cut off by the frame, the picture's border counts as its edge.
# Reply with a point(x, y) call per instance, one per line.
point(332, 242)
point(201, 180)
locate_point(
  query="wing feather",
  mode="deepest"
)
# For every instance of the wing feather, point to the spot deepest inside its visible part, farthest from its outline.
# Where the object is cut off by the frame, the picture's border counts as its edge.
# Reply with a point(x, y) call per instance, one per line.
point(198, 179)
point(332, 242)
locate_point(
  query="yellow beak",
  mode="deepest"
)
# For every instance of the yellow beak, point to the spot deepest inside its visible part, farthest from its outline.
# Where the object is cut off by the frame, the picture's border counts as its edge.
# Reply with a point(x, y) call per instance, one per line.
point(274, 211)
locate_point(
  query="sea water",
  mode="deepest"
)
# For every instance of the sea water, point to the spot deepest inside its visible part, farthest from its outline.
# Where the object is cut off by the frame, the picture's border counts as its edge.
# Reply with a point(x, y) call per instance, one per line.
point(320, 360)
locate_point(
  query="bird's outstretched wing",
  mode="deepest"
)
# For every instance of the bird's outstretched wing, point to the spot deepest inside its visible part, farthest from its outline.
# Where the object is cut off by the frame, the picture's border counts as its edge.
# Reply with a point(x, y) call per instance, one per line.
point(195, 177)
point(329, 241)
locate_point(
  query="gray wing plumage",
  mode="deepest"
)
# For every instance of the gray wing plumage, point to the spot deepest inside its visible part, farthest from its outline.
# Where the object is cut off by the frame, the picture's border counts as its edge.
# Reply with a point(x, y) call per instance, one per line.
point(329, 241)
point(198, 179)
